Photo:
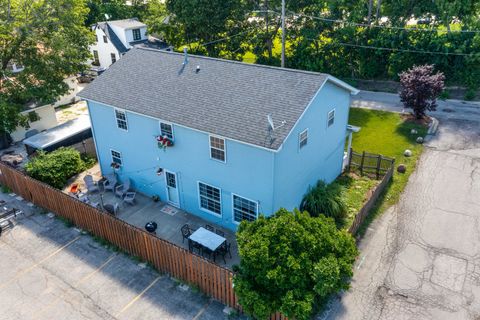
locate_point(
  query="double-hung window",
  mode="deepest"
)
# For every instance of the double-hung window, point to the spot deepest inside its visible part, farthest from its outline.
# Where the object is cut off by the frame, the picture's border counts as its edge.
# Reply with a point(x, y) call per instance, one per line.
point(244, 209)
point(105, 39)
point(121, 117)
point(210, 198)
point(113, 57)
point(217, 148)
point(303, 138)
point(166, 129)
point(116, 157)
point(136, 34)
point(331, 118)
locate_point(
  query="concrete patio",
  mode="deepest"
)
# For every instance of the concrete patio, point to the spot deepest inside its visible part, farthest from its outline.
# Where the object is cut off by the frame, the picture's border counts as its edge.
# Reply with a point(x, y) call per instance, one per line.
point(168, 218)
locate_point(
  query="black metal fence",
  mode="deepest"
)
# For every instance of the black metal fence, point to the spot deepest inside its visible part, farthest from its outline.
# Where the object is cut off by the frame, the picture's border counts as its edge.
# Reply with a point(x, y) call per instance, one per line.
point(370, 163)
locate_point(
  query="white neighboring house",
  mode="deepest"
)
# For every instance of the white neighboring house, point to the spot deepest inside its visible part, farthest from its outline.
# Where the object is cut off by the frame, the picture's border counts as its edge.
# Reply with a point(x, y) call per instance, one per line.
point(46, 113)
point(114, 38)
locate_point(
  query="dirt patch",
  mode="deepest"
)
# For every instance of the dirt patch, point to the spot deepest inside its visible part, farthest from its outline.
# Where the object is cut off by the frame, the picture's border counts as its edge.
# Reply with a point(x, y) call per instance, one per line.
point(410, 118)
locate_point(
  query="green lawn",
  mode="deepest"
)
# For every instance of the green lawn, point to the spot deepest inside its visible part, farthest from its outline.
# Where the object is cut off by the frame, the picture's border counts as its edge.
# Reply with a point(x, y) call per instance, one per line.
point(385, 133)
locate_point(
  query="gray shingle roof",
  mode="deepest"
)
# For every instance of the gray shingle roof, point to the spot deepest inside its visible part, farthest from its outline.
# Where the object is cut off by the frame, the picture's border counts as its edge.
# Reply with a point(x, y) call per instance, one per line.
point(226, 98)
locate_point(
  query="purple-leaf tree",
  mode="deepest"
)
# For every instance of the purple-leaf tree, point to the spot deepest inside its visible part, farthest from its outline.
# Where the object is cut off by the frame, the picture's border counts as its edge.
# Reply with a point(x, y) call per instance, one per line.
point(420, 89)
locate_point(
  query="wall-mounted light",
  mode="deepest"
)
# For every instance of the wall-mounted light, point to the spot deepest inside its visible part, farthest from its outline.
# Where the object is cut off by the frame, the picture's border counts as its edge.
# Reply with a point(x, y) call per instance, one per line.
point(159, 171)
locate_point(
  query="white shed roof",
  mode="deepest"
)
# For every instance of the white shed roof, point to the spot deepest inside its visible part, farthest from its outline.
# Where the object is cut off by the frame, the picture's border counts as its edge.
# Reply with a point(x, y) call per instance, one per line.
point(56, 134)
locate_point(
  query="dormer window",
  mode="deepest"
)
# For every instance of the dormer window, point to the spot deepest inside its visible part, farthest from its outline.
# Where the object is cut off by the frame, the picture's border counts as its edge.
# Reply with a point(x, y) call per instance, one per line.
point(136, 34)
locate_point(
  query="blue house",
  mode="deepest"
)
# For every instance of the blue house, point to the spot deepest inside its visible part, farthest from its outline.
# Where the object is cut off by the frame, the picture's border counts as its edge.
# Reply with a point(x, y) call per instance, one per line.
point(220, 139)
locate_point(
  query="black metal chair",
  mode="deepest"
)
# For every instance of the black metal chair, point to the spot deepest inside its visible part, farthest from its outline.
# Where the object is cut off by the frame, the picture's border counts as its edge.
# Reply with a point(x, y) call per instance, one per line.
point(209, 253)
point(186, 232)
point(223, 250)
point(192, 245)
point(220, 232)
point(209, 228)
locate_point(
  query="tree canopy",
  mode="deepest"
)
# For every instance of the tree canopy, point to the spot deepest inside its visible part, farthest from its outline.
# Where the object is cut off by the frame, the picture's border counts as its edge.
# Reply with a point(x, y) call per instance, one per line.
point(49, 40)
point(290, 262)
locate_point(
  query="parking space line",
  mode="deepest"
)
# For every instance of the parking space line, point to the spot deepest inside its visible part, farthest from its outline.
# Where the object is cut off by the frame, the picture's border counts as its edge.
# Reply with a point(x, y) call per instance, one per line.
point(128, 305)
point(201, 311)
point(85, 278)
point(24, 271)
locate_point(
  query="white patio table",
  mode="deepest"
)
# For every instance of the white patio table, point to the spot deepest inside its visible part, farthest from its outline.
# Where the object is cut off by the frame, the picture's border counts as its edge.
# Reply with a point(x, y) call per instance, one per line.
point(207, 238)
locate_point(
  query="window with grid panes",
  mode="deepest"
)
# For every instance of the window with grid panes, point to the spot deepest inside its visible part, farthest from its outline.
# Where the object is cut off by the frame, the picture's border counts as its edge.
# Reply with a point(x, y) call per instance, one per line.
point(217, 148)
point(210, 198)
point(121, 117)
point(244, 209)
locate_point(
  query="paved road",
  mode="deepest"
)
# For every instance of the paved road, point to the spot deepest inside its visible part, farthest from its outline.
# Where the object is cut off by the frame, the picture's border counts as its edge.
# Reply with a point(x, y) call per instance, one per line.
point(421, 259)
point(49, 271)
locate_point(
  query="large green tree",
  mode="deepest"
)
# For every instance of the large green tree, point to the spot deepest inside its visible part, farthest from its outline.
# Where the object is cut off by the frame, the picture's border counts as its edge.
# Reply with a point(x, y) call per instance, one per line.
point(290, 262)
point(197, 21)
point(48, 38)
point(101, 10)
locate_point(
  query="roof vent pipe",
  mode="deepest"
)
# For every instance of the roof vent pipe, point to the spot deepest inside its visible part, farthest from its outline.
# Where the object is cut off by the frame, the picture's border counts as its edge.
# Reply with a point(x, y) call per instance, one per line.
point(185, 60)
point(198, 69)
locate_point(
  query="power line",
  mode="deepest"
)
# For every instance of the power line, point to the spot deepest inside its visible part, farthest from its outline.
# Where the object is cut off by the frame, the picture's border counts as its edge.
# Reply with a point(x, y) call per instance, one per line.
point(399, 50)
point(221, 39)
point(379, 26)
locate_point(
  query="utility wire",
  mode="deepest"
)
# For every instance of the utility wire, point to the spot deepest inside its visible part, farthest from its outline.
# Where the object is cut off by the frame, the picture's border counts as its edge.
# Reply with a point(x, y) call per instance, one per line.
point(379, 26)
point(399, 50)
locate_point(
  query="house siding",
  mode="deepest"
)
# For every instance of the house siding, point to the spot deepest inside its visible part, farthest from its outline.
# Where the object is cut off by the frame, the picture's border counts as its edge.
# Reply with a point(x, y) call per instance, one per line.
point(248, 171)
point(104, 50)
point(321, 159)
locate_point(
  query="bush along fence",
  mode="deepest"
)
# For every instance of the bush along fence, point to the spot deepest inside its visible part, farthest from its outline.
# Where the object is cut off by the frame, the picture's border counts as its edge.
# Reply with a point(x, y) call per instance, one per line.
point(166, 257)
point(369, 163)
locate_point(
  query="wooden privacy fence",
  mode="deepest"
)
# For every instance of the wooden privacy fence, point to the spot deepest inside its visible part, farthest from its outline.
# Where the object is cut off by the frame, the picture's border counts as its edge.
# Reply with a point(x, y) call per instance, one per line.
point(212, 279)
point(369, 163)
point(365, 210)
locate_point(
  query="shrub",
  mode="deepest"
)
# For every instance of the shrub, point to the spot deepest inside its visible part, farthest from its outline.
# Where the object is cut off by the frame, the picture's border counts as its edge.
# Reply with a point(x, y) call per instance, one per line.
point(469, 95)
point(290, 263)
point(56, 167)
point(327, 200)
point(420, 88)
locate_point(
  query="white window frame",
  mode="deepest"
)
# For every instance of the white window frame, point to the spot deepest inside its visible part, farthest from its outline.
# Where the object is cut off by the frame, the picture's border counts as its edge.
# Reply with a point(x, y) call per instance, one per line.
point(200, 201)
point(139, 34)
point(333, 118)
point(233, 207)
point(167, 123)
point(121, 157)
point(224, 148)
point(300, 140)
point(115, 110)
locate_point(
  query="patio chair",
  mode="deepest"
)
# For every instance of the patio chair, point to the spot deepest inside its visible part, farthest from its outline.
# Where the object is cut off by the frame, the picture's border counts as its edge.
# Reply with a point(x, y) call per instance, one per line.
point(110, 182)
point(192, 245)
point(223, 250)
point(116, 208)
point(130, 198)
point(90, 184)
point(121, 190)
point(186, 232)
point(220, 232)
point(209, 253)
point(209, 228)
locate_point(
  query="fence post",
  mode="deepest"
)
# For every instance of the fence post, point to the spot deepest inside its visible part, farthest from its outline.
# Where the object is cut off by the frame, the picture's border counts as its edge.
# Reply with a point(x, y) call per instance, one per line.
point(361, 163)
point(350, 151)
point(379, 162)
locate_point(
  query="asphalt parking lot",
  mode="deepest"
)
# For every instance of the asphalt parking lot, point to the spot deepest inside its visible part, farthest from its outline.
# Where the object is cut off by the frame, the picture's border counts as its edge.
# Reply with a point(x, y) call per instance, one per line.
point(49, 270)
